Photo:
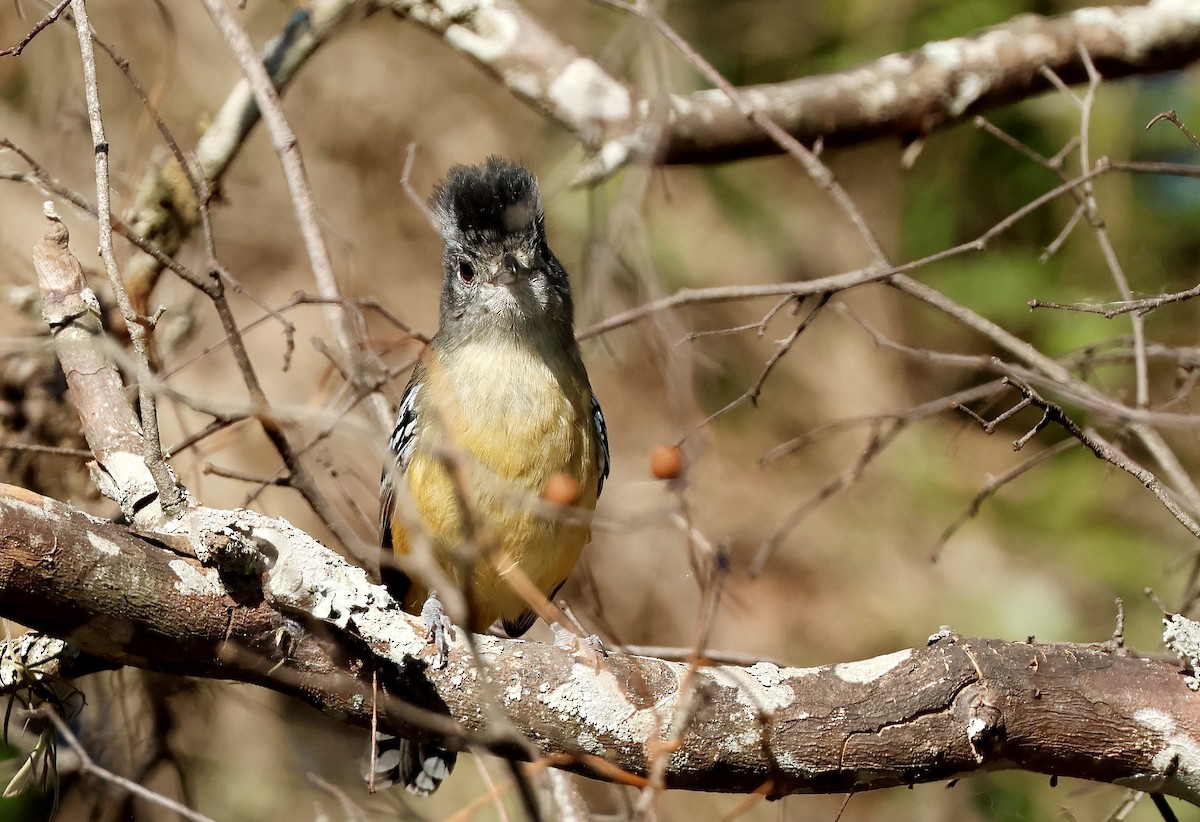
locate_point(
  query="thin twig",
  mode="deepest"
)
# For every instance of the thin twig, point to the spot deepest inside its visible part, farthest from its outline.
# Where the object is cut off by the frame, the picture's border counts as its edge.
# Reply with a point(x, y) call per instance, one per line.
point(861, 276)
point(1110, 310)
point(38, 177)
point(1172, 117)
point(418, 202)
point(884, 432)
point(1116, 271)
point(171, 497)
point(752, 393)
point(81, 453)
point(87, 765)
point(816, 169)
point(346, 330)
point(914, 414)
point(242, 476)
point(51, 16)
point(1103, 449)
point(993, 485)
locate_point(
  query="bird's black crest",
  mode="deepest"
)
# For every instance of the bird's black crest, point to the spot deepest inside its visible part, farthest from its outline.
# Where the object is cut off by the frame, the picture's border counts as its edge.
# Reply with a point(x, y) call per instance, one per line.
point(489, 201)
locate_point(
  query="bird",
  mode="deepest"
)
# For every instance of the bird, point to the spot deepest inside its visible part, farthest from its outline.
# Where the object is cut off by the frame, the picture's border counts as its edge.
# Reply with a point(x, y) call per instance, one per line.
point(498, 406)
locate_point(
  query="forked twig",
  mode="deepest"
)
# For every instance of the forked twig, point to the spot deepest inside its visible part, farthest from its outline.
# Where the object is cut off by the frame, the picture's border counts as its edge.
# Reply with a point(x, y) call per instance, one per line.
point(1098, 445)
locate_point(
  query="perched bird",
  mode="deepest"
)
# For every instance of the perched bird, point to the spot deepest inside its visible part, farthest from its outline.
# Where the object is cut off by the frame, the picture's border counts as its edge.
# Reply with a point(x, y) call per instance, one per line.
point(498, 407)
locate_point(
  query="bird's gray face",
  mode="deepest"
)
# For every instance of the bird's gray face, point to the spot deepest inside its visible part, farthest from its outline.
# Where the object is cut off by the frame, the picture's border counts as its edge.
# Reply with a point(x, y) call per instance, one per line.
point(506, 280)
point(500, 274)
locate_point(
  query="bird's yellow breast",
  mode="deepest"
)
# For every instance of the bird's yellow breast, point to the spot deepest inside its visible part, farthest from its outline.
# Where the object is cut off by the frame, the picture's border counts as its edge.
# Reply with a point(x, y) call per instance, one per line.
point(496, 423)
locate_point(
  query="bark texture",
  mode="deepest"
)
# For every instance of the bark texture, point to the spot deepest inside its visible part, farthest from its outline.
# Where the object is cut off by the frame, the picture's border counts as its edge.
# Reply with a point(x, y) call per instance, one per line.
point(313, 627)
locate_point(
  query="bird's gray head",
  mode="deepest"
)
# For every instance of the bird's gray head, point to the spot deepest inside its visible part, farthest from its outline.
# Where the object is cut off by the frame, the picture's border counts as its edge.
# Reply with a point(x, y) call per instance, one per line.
point(500, 275)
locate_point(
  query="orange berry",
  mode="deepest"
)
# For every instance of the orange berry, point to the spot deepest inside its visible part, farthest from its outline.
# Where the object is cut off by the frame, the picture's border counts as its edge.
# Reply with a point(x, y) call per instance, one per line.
point(666, 461)
point(561, 489)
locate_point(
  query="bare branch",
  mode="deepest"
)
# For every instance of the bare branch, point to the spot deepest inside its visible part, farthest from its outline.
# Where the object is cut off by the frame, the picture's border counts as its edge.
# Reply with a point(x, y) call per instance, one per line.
point(87, 765)
point(910, 95)
point(346, 327)
point(170, 495)
point(1098, 445)
point(39, 27)
point(942, 82)
point(112, 431)
point(994, 484)
point(1172, 117)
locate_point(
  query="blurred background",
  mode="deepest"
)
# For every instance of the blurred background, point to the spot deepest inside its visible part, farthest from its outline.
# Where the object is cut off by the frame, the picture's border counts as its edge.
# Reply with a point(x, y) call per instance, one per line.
point(863, 572)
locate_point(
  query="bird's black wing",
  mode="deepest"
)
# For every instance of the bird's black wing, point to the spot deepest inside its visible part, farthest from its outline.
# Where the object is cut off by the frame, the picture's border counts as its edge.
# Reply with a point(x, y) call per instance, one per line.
point(601, 432)
point(400, 444)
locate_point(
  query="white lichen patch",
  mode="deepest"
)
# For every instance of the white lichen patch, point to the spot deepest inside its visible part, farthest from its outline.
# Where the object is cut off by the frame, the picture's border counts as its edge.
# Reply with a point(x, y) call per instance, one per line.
point(491, 35)
point(1104, 17)
point(748, 738)
point(943, 54)
point(193, 581)
point(305, 575)
point(1182, 635)
point(585, 93)
point(789, 763)
point(976, 729)
point(613, 154)
point(708, 103)
point(1139, 31)
point(131, 483)
point(102, 545)
point(590, 744)
point(458, 9)
point(491, 650)
point(524, 83)
point(1176, 7)
point(1180, 754)
point(869, 670)
point(598, 698)
point(969, 89)
point(761, 687)
point(878, 95)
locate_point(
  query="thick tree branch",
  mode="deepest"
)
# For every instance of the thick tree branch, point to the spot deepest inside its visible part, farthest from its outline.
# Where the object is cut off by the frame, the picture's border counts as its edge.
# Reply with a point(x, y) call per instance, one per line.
point(906, 95)
point(954, 707)
point(912, 94)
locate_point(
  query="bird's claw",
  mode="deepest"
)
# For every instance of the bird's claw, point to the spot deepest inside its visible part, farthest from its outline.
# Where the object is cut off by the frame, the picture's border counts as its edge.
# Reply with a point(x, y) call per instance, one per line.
point(589, 650)
point(438, 626)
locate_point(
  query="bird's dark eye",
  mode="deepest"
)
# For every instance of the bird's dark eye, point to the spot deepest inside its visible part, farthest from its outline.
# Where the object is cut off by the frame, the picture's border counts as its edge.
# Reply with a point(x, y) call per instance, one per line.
point(465, 272)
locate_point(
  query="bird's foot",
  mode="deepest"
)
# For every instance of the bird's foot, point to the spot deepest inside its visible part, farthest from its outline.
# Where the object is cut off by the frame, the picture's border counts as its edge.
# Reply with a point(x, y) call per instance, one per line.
point(438, 625)
point(589, 650)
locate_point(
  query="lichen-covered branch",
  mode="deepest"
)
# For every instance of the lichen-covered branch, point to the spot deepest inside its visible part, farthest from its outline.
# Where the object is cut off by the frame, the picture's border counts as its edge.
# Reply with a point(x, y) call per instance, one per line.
point(312, 626)
point(905, 95)
point(113, 433)
point(602, 112)
point(915, 93)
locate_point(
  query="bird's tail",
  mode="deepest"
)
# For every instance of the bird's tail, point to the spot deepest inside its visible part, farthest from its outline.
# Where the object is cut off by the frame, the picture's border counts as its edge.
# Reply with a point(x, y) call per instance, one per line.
point(419, 766)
